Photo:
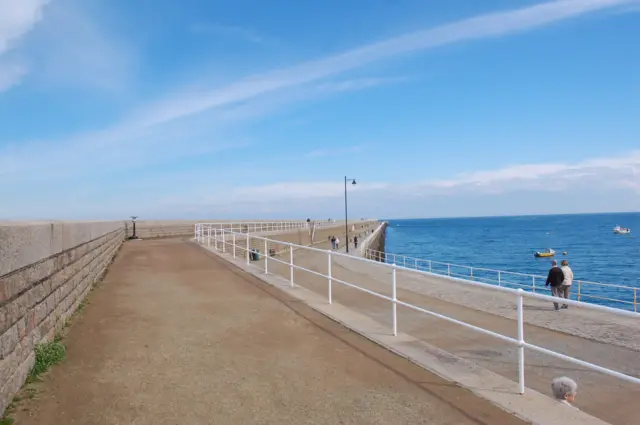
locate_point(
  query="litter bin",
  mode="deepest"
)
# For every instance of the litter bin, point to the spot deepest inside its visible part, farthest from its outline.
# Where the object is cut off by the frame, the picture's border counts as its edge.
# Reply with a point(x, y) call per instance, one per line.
point(256, 255)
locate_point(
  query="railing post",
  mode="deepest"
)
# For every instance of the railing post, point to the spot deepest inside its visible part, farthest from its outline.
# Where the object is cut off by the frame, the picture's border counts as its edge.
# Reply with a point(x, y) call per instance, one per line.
point(448, 269)
point(208, 238)
point(429, 266)
point(215, 239)
point(234, 245)
point(266, 257)
point(499, 278)
point(471, 272)
point(635, 300)
point(395, 299)
point(224, 241)
point(578, 290)
point(330, 280)
point(520, 342)
point(291, 263)
point(534, 284)
point(404, 261)
point(416, 264)
point(248, 248)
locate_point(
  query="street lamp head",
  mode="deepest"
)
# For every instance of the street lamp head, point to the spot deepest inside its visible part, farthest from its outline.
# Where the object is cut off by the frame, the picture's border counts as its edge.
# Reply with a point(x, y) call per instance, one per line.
point(133, 217)
point(353, 182)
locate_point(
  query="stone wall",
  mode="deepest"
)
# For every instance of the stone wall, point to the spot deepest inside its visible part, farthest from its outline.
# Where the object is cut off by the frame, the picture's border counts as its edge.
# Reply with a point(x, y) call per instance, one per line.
point(46, 270)
point(376, 240)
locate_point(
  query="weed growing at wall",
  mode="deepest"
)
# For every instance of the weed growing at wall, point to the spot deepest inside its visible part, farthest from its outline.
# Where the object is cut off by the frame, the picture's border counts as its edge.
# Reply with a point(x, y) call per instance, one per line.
point(47, 355)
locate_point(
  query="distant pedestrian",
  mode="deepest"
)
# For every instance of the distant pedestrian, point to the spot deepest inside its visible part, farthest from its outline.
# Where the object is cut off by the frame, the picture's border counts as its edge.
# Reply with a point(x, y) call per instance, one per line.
point(337, 243)
point(565, 289)
point(555, 279)
point(355, 241)
point(333, 242)
point(564, 390)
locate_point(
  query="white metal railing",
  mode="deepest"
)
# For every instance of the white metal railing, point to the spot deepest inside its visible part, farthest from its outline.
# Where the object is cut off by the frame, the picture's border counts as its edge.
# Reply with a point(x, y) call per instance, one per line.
point(624, 296)
point(259, 226)
point(229, 241)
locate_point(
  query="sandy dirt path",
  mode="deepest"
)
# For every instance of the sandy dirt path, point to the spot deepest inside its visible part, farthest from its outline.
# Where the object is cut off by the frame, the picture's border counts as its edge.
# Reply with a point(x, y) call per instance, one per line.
point(175, 335)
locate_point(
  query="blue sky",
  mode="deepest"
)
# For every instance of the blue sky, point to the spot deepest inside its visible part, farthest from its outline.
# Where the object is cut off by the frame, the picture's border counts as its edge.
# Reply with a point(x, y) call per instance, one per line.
point(239, 109)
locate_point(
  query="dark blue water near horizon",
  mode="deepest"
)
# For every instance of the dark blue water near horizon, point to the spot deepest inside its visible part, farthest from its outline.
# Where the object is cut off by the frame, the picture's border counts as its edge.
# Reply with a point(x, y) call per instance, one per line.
point(594, 252)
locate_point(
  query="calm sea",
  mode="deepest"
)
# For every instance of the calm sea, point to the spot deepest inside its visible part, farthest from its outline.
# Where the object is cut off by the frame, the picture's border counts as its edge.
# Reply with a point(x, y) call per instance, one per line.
point(594, 252)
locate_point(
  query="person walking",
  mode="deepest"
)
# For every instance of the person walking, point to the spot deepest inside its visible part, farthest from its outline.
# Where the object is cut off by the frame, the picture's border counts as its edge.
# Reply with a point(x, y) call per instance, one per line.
point(333, 242)
point(555, 279)
point(355, 242)
point(337, 243)
point(565, 289)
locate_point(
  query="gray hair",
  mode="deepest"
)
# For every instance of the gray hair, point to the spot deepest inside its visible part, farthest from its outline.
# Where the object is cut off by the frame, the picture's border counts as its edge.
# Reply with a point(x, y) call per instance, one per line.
point(554, 263)
point(563, 386)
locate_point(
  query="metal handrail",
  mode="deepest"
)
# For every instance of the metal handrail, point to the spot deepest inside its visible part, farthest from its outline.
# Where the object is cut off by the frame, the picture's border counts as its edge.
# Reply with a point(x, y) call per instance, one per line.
point(219, 237)
point(499, 276)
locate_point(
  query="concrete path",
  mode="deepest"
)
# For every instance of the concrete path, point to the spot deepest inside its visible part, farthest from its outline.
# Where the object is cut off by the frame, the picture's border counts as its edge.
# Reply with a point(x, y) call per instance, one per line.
point(174, 335)
point(611, 344)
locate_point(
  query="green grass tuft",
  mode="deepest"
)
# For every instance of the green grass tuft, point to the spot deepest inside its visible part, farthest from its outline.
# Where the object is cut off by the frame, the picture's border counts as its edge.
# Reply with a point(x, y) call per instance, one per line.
point(47, 355)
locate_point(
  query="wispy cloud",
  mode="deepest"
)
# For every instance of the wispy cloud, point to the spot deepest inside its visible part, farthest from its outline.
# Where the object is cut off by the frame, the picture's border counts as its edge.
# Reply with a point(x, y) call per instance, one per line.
point(16, 20)
point(74, 48)
point(358, 84)
point(516, 189)
point(11, 73)
point(229, 31)
point(163, 126)
point(484, 26)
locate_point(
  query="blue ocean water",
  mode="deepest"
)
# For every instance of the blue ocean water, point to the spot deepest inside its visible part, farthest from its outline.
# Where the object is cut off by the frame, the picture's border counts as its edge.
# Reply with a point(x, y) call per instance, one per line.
point(594, 252)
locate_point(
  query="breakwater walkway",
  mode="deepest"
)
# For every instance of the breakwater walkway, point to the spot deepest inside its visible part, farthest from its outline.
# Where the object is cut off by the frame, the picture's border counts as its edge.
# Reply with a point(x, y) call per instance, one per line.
point(176, 335)
point(603, 339)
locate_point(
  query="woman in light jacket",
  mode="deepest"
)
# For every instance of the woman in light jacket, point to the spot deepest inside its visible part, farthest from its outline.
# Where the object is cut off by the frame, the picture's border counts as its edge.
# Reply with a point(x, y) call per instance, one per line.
point(565, 289)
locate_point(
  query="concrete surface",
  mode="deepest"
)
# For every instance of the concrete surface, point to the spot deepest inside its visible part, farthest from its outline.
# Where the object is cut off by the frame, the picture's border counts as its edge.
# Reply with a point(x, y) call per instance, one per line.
point(177, 336)
point(598, 394)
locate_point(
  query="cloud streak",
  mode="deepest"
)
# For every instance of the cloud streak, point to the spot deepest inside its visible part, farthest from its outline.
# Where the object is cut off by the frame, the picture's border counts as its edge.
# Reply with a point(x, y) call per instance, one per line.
point(480, 27)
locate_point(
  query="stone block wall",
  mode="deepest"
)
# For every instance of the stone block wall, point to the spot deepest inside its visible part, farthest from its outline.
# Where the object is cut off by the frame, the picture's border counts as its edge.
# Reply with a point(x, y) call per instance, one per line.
point(46, 270)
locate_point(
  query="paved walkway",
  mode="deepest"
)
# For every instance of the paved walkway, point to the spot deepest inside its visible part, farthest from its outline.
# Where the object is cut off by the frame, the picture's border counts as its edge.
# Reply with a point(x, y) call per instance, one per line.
point(175, 335)
point(610, 343)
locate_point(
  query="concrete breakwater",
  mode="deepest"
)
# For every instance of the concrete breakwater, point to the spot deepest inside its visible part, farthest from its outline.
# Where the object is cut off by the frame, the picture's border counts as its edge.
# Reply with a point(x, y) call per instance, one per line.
point(375, 241)
point(45, 272)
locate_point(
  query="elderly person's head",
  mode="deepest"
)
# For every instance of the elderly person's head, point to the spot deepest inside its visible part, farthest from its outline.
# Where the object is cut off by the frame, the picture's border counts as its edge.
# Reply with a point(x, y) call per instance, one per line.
point(564, 263)
point(564, 389)
point(554, 263)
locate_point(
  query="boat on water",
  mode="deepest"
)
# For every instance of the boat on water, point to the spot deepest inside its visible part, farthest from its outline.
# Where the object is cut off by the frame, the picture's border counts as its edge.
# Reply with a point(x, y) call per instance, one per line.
point(621, 230)
point(546, 253)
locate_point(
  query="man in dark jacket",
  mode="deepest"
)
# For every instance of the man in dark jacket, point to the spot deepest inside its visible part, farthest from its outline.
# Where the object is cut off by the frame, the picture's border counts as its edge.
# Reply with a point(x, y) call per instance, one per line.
point(555, 279)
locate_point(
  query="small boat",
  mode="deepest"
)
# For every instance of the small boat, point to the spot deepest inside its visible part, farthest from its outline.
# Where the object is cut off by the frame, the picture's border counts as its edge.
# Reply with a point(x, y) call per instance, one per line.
point(621, 230)
point(546, 253)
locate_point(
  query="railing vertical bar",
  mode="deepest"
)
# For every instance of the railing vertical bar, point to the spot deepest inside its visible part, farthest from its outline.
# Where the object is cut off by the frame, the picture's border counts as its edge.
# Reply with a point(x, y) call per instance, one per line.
point(291, 263)
point(520, 309)
point(248, 248)
point(266, 257)
point(395, 299)
point(330, 280)
point(234, 245)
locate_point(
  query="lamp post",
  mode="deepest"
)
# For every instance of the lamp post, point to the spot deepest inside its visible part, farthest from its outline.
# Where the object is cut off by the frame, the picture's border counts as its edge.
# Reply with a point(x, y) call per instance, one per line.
point(133, 219)
point(346, 214)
